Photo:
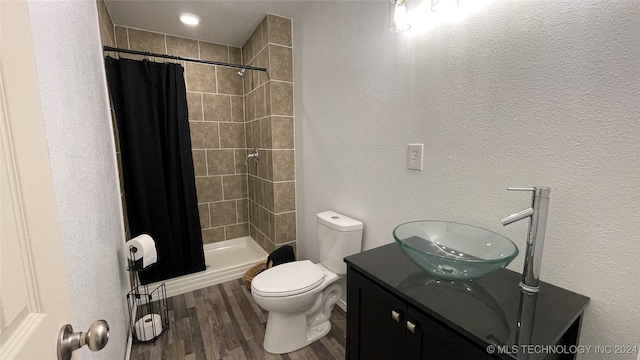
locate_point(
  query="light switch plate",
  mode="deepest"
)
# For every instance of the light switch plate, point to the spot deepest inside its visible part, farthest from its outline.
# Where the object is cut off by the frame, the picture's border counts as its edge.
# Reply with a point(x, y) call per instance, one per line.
point(414, 156)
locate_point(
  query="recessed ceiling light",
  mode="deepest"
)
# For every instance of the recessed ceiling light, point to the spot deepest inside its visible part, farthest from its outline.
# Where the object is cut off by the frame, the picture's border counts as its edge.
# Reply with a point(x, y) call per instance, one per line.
point(189, 19)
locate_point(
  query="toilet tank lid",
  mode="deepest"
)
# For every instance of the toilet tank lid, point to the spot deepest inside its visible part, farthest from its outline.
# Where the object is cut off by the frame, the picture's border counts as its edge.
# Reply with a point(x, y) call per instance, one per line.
point(338, 221)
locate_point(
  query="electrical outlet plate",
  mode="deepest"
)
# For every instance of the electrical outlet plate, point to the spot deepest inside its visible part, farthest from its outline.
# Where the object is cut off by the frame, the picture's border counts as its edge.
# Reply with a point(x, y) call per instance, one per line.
point(414, 156)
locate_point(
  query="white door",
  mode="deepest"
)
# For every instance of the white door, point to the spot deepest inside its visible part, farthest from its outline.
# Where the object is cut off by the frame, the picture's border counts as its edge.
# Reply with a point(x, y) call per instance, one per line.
point(34, 293)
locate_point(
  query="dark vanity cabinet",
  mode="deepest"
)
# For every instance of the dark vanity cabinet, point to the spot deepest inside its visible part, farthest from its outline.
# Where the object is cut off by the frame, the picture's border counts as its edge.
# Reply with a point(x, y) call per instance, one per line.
point(383, 326)
point(396, 311)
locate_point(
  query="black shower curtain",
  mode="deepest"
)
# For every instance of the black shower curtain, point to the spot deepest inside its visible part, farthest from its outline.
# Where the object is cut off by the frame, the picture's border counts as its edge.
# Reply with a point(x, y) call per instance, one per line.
point(150, 106)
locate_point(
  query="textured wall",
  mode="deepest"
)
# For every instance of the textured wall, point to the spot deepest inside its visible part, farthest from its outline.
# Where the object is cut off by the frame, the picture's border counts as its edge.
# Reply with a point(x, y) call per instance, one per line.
point(74, 102)
point(518, 94)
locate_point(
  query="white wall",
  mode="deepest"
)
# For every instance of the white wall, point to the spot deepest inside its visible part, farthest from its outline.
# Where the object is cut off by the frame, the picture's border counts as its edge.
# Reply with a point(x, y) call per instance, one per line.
point(520, 93)
point(81, 146)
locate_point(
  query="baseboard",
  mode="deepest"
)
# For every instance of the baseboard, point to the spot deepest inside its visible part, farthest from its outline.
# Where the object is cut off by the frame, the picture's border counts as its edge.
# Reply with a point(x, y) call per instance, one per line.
point(342, 305)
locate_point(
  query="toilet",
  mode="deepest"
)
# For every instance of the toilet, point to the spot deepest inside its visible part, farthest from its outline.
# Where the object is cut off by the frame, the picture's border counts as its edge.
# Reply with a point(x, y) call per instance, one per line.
point(300, 295)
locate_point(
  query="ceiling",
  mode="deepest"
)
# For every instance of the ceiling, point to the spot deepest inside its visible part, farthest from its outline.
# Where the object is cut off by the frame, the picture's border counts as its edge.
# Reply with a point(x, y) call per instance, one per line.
point(223, 22)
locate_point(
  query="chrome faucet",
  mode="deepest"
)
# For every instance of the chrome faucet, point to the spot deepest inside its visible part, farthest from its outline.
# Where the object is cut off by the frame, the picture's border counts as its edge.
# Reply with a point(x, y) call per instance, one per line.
point(537, 215)
point(253, 156)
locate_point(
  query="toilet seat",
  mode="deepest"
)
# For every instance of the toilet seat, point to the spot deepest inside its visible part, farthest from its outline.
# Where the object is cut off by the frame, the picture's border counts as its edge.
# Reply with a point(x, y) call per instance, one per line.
point(288, 279)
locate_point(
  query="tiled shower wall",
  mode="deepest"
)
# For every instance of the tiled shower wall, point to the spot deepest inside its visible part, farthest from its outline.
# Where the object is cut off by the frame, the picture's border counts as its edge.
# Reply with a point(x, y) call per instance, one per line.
point(269, 116)
point(216, 120)
point(218, 100)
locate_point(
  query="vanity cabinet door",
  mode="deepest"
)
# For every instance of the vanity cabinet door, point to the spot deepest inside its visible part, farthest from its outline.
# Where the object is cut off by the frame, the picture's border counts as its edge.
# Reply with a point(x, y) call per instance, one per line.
point(427, 339)
point(375, 321)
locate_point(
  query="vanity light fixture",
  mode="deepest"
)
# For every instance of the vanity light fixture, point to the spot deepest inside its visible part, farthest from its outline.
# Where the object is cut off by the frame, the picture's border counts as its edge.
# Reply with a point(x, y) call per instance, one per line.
point(398, 20)
point(443, 6)
point(189, 19)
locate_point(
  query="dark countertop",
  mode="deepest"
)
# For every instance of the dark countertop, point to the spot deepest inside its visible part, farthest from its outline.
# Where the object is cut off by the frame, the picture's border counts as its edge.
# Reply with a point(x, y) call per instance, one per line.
point(485, 310)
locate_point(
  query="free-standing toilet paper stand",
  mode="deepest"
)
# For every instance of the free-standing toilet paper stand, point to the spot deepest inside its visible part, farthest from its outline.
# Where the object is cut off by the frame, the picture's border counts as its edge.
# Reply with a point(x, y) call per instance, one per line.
point(148, 309)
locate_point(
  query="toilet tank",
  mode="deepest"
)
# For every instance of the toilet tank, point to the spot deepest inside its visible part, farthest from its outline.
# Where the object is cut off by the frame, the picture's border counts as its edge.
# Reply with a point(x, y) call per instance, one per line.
point(338, 236)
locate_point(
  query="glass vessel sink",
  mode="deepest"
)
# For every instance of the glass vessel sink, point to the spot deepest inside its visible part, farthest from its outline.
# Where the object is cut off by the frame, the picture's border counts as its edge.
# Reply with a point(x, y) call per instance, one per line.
point(454, 251)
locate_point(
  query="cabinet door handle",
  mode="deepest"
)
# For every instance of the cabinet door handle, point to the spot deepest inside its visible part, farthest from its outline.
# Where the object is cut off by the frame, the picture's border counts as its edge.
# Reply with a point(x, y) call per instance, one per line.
point(411, 327)
point(395, 315)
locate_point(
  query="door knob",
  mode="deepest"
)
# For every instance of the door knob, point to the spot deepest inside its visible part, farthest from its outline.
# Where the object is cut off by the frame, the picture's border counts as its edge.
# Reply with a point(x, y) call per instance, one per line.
point(68, 341)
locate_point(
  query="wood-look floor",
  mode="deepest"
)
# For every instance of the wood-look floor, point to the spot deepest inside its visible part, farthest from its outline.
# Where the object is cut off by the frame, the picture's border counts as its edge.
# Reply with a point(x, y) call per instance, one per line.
point(223, 322)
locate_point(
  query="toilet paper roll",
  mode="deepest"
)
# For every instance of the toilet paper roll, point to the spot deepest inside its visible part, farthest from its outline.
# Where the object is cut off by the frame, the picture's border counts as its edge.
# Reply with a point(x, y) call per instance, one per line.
point(148, 327)
point(145, 249)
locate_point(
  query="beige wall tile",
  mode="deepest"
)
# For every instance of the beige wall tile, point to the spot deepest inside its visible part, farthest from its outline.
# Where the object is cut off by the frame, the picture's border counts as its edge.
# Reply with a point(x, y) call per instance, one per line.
point(272, 226)
point(235, 55)
point(223, 213)
point(146, 41)
point(210, 236)
point(216, 107)
point(282, 132)
point(240, 156)
point(237, 109)
point(281, 62)
point(265, 226)
point(235, 186)
point(249, 135)
point(254, 214)
point(263, 165)
point(269, 246)
point(242, 210)
point(104, 18)
point(122, 38)
point(194, 104)
point(265, 131)
point(251, 187)
point(232, 135)
point(285, 228)
point(281, 98)
point(284, 195)
point(259, 191)
point(236, 231)
point(252, 45)
point(204, 135)
point(279, 30)
point(209, 189)
point(250, 106)
point(267, 97)
point(245, 54)
point(260, 102)
point(265, 30)
point(107, 36)
point(220, 162)
point(201, 77)
point(262, 60)
point(268, 195)
point(260, 238)
point(199, 162)
point(228, 81)
point(180, 46)
point(256, 137)
point(203, 210)
point(283, 165)
point(214, 52)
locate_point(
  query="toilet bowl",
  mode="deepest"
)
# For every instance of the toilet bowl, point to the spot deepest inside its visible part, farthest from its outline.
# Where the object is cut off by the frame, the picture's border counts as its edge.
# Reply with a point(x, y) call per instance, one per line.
point(300, 295)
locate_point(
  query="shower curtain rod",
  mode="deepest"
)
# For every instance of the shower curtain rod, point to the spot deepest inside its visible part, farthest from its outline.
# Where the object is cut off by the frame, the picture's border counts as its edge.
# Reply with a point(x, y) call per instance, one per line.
point(165, 56)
